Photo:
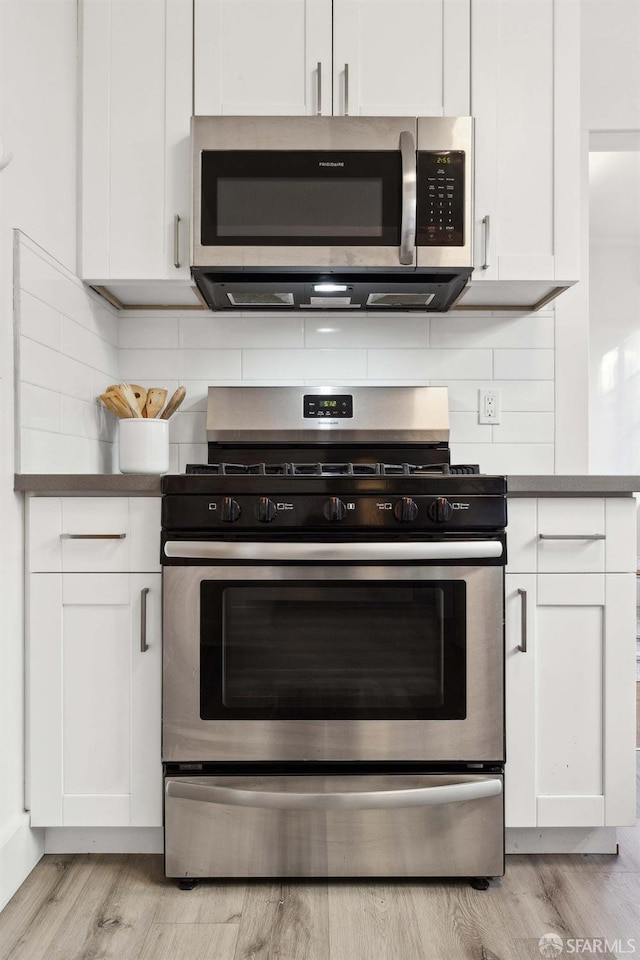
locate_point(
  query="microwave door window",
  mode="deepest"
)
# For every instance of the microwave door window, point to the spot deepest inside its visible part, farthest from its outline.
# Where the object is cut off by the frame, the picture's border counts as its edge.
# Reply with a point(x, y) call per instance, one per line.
point(335, 651)
point(301, 197)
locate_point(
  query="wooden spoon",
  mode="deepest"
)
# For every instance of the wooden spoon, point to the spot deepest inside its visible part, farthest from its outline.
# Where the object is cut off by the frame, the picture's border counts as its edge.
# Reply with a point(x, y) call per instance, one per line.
point(174, 403)
point(129, 398)
point(141, 396)
point(116, 404)
point(156, 397)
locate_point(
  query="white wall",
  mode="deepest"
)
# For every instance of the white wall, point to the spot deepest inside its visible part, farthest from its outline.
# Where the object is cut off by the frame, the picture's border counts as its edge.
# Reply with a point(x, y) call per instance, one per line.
point(68, 354)
point(37, 194)
point(461, 351)
point(610, 35)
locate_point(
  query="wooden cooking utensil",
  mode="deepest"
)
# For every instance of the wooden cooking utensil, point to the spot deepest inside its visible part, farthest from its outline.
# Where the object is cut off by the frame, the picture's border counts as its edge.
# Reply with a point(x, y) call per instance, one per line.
point(174, 403)
point(141, 396)
point(129, 398)
point(156, 397)
point(114, 402)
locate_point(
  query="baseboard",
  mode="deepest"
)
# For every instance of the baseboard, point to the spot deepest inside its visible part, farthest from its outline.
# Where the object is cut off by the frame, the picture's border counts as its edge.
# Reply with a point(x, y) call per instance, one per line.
point(103, 840)
point(21, 846)
point(561, 840)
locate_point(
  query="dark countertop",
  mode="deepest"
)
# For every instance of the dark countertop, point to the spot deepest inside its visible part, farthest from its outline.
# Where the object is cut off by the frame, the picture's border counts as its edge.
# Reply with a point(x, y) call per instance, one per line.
point(148, 485)
point(572, 485)
point(89, 484)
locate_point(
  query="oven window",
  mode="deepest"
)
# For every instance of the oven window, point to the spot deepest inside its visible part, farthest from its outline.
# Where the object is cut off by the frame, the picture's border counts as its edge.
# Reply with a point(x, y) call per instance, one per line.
point(301, 197)
point(308, 650)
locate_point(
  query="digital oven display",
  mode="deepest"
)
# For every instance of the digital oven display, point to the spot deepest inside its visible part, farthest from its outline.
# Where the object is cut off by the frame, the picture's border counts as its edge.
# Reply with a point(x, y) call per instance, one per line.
point(340, 405)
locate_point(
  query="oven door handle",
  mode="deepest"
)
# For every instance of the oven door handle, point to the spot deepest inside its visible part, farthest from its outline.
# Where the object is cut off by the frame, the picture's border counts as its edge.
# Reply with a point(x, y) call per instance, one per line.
point(366, 800)
point(236, 550)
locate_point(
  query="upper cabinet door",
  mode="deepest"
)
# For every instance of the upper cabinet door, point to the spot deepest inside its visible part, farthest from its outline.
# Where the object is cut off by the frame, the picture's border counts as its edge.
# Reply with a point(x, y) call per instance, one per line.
point(400, 58)
point(255, 57)
point(136, 108)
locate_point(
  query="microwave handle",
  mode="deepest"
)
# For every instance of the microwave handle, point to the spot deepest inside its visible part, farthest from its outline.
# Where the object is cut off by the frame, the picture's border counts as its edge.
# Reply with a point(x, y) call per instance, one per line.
point(408, 224)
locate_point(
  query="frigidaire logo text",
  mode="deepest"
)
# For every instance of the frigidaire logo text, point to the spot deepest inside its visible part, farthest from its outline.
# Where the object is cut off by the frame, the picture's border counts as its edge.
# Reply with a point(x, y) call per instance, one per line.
point(331, 163)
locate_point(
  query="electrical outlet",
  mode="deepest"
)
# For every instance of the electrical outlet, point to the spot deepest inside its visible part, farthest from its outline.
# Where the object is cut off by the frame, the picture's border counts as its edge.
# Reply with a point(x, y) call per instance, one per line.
point(489, 406)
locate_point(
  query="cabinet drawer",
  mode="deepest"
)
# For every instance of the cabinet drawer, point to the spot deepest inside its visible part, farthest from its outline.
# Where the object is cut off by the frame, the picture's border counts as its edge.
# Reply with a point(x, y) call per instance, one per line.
point(93, 534)
point(571, 535)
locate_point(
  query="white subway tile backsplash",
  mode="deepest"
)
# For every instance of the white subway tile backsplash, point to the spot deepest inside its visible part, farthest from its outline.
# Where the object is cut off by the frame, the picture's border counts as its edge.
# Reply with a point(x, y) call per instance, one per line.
point(523, 364)
point(536, 427)
point(461, 364)
point(148, 365)
point(516, 395)
point(39, 408)
point(534, 330)
point(84, 345)
point(82, 419)
point(105, 322)
point(516, 458)
point(143, 333)
point(466, 429)
point(39, 321)
point(225, 332)
point(379, 331)
point(54, 285)
point(284, 364)
point(209, 365)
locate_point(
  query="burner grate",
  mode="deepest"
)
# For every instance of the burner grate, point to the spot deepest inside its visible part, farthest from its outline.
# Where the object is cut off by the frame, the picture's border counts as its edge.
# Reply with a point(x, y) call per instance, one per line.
point(322, 469)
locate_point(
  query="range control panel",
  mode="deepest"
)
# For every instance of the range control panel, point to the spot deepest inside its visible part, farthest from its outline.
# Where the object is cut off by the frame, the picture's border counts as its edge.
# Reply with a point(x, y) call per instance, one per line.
point(321, 405)
point(441, 191)
point(377, 512)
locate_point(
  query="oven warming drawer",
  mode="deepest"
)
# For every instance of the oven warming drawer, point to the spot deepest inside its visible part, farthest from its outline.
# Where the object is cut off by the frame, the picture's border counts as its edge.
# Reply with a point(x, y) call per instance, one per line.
point(436, 825)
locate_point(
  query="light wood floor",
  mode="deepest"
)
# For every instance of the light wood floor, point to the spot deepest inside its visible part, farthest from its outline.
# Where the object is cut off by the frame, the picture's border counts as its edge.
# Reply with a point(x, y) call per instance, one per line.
point(112, 907)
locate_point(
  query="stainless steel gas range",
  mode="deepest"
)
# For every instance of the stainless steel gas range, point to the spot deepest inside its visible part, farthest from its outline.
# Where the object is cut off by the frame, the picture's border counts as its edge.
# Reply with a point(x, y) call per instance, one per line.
point(333, 642)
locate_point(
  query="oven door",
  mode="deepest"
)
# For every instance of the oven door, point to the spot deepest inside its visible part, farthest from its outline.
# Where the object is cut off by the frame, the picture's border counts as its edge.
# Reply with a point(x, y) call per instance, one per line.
point(339, 661)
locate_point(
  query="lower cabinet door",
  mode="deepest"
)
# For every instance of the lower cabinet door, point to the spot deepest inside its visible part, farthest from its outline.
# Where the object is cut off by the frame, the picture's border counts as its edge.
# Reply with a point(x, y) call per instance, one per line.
point(334, 826)
point(94, 668)
point(570, 758)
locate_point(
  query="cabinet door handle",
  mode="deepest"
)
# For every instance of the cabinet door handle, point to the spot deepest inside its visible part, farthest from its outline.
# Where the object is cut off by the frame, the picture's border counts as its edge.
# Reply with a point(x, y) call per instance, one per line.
point(522, 646)
point(176, 241)
point(572, 536)
point(319, 90)
point(144, 646)
point(93, 536)
point(486, 222)
point(346, 89)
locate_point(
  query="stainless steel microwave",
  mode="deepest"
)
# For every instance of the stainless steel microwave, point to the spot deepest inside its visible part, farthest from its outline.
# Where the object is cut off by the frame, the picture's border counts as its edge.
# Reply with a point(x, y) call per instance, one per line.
point(321, 212)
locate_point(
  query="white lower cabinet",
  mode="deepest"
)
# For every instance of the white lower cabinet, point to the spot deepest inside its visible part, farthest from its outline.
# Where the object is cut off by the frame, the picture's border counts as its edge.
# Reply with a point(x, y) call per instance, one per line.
point(94, 667)
point(94, 608)
point(570, 670)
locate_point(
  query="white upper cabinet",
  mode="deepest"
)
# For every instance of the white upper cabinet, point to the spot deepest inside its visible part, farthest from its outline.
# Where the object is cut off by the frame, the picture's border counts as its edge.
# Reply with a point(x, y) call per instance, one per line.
point(255, 57)
point(525, 102)
point(136, 108)
point(308, 57)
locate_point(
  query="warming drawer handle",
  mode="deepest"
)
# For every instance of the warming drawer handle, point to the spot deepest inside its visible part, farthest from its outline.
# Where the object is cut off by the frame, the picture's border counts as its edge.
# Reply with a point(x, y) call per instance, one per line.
point(415, 552)
point(366, 800)
point(409, 197)
point(572, 536)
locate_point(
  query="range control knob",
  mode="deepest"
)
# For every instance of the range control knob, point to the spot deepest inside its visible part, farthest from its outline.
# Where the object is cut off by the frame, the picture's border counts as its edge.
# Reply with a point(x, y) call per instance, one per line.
point(406, 510)
point(266, 510)
point(440, 510)
point(334, 510)
point(230, 510)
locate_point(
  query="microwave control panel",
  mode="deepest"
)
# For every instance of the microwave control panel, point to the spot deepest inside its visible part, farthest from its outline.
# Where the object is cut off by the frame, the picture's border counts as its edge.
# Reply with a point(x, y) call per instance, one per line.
point(440, 213)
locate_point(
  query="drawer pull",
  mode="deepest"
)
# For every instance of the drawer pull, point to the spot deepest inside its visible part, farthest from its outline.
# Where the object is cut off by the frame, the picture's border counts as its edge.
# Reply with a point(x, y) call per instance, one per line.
point(572, 536)
point(522, 646)
point(93, 536)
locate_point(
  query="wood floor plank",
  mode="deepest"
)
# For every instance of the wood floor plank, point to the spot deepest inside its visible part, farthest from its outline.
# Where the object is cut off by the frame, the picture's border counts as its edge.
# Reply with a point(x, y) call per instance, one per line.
point(284, 922)
point(208, 902)
point(56, 911)
point(455, 921)
point(113, 917)
point(20, 912)
point(368, 920)
point(190, 941)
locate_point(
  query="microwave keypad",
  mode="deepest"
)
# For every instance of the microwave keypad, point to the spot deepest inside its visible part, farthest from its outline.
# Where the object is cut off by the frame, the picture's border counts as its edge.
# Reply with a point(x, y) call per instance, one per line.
point(440, 198)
